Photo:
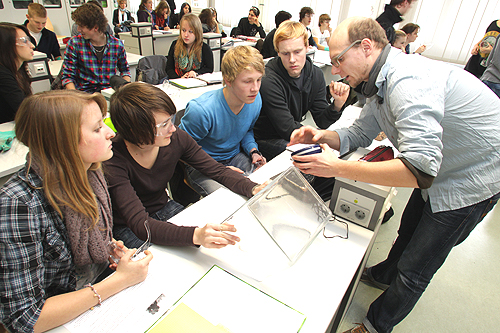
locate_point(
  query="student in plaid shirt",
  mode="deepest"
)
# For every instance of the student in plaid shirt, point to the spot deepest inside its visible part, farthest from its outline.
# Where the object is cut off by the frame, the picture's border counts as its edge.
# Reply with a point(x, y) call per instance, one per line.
point(56, 219)
point(93, 56)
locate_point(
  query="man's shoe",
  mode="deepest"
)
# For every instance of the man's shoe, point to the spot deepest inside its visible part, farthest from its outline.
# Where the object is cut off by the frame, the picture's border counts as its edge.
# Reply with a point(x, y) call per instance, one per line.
point(367, 278)
point(358, 329)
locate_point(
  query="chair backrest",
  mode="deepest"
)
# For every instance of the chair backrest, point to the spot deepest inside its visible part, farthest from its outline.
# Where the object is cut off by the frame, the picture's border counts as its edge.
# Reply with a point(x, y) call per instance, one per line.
point(152, 69)
point(235, 31)
point(259, 45)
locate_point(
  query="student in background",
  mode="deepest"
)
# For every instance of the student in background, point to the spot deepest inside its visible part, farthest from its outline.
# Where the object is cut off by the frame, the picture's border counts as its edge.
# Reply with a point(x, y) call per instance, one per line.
point(74, 27)
point(305, 15)
point(491, 76)
point(221, 121)
point(250, 26)
point(55, 216)
point(185, 9)
point(145, 12)
point(15, 83)
point(321, 34)
point(189, 56)
point(208, 22)
point(221, 27)
point(173, 7)
point(268, 49)
point(144, 160)
point(392, 14)
point(94, 56)
point(477, 56)
point(411, 30)
point(161, 16)
point(120, 16)
point(400, 40)
point(44, 40)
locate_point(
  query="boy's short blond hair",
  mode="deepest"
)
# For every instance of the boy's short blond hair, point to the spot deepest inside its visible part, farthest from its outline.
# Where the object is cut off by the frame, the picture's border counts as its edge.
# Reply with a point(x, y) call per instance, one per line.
point(37, 10)
point(290, 30)
point(239, 58)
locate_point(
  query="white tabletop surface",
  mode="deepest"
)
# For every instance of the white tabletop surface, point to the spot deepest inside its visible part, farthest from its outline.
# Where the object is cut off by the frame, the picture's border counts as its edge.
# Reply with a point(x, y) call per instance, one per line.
point(180, 97)
point(14, 159)
point(55, 65)
point(314, 285)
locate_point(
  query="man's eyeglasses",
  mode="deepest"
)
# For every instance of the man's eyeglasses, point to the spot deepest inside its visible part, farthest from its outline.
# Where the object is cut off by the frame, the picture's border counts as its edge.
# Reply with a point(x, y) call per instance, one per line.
point(23, 41)
point(163, 128)
point(335, 60)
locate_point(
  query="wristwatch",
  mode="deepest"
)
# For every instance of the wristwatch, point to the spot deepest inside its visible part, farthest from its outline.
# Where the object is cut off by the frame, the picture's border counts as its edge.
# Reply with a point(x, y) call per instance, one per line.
point(255, 152)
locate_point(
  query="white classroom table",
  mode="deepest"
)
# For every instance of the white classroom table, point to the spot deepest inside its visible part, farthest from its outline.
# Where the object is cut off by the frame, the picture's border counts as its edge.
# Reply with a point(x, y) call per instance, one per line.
point(179, 96)
point(132, 58)
point(14, 159)
point(316, 285)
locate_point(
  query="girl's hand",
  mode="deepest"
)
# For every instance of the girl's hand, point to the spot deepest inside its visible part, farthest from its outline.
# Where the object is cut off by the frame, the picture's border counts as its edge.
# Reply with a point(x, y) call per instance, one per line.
point(133, 272)
point(215, 236)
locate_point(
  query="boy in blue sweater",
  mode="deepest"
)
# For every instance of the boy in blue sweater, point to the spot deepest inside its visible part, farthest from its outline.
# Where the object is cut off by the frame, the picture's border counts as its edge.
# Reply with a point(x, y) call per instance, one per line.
point(222, 121)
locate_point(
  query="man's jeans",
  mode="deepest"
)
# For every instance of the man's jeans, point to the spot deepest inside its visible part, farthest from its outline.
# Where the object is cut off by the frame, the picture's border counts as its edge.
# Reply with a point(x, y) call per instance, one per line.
point(204, 185)
point(125, 234)
point(424, 241)
point(272, 147)
point(495, 87)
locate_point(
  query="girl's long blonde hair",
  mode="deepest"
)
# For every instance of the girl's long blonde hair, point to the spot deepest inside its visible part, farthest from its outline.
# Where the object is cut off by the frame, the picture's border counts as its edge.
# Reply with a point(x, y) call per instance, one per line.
point(181, 47)
point(49, 124)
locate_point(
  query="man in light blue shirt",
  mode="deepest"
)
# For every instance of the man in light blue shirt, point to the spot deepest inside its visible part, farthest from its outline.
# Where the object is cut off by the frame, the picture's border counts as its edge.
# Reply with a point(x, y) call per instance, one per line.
point(221, 121)
point(446, 125)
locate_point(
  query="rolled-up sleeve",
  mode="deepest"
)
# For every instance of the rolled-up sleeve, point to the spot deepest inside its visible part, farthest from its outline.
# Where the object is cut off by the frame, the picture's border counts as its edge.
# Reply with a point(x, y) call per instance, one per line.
point(417, 117)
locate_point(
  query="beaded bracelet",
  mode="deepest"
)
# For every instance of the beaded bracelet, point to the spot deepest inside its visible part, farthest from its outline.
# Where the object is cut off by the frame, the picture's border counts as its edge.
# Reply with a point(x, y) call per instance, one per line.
point(96, 294)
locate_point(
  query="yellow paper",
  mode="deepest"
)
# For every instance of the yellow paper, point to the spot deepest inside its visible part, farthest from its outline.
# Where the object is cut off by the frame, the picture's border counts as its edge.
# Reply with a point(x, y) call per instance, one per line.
point(183, 319)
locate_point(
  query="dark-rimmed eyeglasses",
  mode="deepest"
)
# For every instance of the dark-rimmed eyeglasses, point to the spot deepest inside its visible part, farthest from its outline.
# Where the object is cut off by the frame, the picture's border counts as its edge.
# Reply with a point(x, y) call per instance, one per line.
point(335, 60)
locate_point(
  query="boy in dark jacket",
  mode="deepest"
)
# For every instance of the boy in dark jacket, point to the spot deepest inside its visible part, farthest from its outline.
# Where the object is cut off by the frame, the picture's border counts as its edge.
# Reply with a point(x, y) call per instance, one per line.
point(291, 87)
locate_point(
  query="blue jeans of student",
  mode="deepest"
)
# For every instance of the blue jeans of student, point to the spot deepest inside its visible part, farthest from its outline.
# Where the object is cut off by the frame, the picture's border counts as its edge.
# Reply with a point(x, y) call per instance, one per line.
point(495, 87)
point(424, 241)
point(125, 234)
point(204, 185)
point(272, 147)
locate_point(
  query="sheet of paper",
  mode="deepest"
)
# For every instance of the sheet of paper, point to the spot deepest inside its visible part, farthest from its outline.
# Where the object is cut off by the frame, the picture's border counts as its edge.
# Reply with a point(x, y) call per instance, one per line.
point(134, 309)
point(188, 82)
point(211, 77)
point(227, 304)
